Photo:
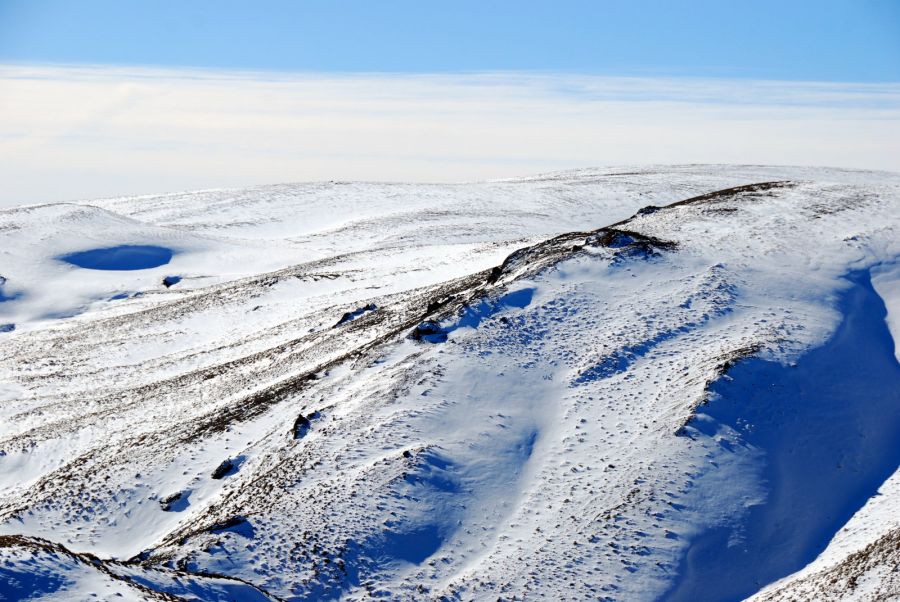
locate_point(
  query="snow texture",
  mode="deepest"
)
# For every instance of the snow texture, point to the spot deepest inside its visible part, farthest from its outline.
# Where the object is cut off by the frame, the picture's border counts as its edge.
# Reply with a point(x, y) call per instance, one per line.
point(653, 383)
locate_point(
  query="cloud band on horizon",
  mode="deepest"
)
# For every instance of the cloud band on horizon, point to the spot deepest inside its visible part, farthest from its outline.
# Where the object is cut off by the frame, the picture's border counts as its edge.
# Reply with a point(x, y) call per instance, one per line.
point(74, 132)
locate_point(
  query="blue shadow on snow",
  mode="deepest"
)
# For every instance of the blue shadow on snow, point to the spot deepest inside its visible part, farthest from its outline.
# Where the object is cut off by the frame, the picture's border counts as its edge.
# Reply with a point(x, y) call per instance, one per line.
point(122, 257)
point(830, 432)
point(21, 583)
point(472, 315)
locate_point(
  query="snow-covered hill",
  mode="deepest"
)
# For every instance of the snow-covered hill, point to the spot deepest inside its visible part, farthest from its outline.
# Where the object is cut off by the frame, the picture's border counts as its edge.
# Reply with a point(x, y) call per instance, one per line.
point(654, 383)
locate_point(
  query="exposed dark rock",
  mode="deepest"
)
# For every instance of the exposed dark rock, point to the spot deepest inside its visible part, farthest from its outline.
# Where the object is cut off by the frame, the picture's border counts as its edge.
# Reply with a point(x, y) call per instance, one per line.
point(301, 426)
point(614, 238)
point(166, 502)
point(429, 331)
point(436, 304)
point(495, 274)
point(234, 521)
point(224, 469)
point(352, 315)
point(170, 281)
point(728, 193)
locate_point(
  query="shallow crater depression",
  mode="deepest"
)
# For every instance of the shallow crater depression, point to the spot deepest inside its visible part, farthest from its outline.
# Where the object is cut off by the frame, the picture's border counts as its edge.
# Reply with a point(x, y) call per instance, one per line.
point(121, 257)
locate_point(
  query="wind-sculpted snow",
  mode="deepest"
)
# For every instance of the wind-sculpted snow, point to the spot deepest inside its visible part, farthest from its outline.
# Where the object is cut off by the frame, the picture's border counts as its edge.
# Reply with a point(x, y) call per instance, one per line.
point(825, 435)
point(507, 390)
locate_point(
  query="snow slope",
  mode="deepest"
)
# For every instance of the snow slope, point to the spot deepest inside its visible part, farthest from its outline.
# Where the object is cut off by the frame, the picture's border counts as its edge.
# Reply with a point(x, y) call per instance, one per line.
point(653, 383)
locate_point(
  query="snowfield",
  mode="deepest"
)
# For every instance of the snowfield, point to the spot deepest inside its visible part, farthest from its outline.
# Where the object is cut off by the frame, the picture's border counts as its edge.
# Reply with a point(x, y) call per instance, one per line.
point(653, 383)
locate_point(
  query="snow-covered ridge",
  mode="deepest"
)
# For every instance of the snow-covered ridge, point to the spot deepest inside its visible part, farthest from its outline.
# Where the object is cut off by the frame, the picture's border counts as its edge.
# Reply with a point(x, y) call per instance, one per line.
point(540, 389)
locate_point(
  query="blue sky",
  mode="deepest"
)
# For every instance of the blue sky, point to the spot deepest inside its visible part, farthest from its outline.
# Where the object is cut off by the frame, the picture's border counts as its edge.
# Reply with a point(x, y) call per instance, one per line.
point(824, 40)
point(119, 97)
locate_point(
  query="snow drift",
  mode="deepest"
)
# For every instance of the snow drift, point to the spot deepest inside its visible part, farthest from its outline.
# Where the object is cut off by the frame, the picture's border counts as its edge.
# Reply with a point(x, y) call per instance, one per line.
point(665, 383)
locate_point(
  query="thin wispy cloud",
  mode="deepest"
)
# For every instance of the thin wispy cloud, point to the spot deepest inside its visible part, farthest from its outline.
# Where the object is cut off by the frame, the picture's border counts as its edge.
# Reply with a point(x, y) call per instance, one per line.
point(80, 132)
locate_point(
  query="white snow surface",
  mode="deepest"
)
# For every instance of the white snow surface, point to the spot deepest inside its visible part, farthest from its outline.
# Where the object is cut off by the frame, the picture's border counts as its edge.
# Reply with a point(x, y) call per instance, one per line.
point(559, 434)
